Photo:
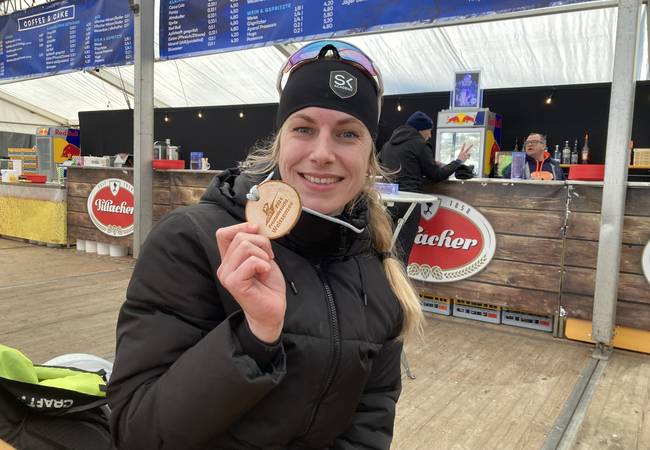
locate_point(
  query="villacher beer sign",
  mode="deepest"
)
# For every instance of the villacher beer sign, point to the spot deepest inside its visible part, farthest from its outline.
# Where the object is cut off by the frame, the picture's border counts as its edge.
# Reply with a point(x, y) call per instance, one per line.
point(454, 241)
point(645, 261)
point(111, 205)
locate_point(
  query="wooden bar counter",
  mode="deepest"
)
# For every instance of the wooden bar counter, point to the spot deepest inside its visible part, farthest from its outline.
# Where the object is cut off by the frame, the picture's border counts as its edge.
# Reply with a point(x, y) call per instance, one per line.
point(171, 189)
point(547, 244)
point(546, 238)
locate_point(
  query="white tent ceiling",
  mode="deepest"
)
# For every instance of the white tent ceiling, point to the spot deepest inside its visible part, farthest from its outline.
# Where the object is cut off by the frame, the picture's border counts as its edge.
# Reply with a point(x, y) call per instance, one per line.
point(567, 48)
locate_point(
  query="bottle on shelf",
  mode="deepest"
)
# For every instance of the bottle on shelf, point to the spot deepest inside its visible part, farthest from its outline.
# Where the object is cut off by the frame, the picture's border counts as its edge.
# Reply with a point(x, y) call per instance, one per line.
point(516, 149)
point(585, 154)
point(566, 153)
point(574, 153)
point(557, 154)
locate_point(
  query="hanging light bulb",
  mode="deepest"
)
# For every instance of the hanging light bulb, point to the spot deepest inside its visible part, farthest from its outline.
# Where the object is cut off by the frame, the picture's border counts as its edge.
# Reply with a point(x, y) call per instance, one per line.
point(200, 114)
point(166, 119)
point(548, 100)
point(399, 107)
point(241, 114)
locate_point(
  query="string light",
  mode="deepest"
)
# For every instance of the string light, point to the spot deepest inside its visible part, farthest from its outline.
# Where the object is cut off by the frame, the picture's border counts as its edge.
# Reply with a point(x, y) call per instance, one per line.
point(241, 114)
point(166, 119)
point(200, 114)
point(399, 107)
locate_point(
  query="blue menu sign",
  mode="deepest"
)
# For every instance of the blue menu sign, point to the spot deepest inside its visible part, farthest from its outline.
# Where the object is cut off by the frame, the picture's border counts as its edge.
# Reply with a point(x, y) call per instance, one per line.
point(194, 27)
point(64, 36)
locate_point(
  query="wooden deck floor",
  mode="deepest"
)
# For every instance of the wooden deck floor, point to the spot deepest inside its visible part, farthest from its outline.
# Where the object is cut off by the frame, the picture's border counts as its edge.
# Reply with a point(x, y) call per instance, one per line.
point(478, 386)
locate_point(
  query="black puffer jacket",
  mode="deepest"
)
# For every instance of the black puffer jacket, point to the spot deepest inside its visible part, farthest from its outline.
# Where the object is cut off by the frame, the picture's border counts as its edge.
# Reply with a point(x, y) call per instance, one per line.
point(189, 373)
point(408, 152)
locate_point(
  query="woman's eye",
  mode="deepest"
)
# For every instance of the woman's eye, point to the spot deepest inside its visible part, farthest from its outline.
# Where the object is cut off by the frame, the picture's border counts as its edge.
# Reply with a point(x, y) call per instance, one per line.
point(350, 134)
point(302, 130)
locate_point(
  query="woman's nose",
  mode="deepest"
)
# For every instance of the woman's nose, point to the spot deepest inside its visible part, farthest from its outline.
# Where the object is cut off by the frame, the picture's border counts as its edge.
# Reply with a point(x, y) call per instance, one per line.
point(322, 149)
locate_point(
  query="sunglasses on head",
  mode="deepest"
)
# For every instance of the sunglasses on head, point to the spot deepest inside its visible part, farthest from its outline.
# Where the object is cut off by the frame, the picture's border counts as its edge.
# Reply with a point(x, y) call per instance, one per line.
point(332, 49)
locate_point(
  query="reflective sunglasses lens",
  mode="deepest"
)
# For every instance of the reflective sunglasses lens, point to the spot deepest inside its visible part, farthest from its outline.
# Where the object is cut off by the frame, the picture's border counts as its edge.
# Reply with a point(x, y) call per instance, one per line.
point(346, 51)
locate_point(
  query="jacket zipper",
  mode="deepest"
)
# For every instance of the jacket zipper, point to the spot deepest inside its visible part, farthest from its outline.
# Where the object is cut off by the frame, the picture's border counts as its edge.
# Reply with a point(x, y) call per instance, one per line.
point(335, 347)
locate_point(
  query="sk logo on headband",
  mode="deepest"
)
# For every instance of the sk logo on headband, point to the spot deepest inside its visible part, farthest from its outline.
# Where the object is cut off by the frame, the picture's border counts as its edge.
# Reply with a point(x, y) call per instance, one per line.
point(343, 84)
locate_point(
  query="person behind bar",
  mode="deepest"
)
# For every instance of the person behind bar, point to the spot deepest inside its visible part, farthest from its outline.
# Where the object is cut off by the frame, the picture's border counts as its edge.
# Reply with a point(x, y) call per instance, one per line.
point(409, 153)
point(228, 340)
point(539, 163)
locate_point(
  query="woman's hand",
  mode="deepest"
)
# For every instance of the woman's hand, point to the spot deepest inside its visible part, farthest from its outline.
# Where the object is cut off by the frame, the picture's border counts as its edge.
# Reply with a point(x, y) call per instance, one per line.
point(253, 278)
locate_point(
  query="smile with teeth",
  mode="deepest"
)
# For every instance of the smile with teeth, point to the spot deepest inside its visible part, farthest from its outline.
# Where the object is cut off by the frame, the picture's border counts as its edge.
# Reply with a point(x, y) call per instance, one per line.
point(317, 180)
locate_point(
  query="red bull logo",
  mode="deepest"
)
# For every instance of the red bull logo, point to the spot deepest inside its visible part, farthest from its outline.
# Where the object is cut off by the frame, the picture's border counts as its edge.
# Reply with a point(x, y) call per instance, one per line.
point(461, 119)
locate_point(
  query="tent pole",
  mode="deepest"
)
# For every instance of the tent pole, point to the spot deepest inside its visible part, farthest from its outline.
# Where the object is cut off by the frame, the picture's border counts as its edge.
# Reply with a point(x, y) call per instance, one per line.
point(617, 157)
point(143, 120)
point(647, 34)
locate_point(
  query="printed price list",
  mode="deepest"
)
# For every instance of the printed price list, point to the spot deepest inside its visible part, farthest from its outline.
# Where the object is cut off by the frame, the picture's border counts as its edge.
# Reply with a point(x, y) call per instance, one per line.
point(42, 41)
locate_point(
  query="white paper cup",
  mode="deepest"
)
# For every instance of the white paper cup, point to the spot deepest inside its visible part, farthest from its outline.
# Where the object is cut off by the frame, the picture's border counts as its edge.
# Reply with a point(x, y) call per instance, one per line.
point(118, 250)
point(91, 247)
point(102, 248)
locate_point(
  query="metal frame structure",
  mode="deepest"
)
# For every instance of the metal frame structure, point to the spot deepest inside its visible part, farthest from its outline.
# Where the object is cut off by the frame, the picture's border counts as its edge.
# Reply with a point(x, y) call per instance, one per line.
point(143, 121)
point(11, 6)
point(617, 155)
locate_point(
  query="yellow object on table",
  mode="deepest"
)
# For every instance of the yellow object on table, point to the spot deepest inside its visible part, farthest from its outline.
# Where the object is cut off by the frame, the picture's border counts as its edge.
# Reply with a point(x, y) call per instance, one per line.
point(34, 212)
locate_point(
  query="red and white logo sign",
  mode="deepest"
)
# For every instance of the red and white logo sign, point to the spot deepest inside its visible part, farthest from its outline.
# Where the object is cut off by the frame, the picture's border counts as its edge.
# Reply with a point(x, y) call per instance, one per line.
point(110, 207)
point(645, 261)
point(454, 241)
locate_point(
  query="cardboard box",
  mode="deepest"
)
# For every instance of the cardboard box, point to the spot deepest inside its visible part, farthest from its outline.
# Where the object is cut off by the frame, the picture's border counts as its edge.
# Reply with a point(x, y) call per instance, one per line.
point(435, 304)
point(477, 311)
point(527, 320)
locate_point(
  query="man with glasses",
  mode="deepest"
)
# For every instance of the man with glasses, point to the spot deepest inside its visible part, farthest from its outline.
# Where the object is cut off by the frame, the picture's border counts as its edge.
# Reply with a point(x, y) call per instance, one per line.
point(539, 164)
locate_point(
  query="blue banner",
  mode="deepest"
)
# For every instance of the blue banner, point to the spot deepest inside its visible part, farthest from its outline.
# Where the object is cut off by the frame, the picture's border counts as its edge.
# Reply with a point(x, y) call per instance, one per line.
point(194, 27)
point(64, 36)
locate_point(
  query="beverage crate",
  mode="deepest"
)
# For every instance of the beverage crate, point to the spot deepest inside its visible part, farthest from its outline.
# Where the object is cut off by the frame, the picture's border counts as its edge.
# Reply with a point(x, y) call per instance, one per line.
point(477, 311)
point(435, 304)
point(641, 157)
point(27, 155)
point(527, 320)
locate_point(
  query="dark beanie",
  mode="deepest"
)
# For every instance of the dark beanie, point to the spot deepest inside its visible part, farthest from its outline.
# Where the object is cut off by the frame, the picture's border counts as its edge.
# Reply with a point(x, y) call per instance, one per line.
point(331, 84)
point(420, 121)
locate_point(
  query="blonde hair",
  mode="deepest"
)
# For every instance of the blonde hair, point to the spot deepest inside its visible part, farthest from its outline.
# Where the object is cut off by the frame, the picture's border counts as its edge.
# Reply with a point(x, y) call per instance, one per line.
point(264, 157)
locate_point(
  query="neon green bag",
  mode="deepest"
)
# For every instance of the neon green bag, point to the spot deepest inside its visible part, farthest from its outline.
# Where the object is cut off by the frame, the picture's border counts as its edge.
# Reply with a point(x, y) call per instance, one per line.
point(50, 390)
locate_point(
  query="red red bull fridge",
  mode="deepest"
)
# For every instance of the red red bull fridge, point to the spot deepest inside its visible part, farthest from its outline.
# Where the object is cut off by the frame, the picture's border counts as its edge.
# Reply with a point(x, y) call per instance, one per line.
point(480, 128)
point(54, 146)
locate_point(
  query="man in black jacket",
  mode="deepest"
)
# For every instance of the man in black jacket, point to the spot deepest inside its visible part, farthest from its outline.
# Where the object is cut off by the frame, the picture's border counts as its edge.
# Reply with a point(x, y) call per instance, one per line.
point(409, 152)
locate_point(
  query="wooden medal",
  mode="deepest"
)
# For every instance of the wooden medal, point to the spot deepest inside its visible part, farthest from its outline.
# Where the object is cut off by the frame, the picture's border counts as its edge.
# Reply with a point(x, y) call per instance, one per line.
point(276, 211)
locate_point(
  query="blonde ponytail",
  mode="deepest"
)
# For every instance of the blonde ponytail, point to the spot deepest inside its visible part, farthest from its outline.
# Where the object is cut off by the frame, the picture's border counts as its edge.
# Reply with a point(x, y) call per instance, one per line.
point(381, 234)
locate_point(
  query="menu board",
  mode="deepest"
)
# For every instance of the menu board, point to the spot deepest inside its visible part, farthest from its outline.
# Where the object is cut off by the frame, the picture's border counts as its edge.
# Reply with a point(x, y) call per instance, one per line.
point(194, 27)
point(64, 36)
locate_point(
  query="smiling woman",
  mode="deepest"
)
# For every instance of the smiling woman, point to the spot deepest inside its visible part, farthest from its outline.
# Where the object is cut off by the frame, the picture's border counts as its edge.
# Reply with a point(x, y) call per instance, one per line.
point(233, 340)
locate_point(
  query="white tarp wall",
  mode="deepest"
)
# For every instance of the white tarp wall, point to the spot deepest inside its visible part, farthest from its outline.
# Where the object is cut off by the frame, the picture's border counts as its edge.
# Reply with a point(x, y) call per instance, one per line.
point(557, 49)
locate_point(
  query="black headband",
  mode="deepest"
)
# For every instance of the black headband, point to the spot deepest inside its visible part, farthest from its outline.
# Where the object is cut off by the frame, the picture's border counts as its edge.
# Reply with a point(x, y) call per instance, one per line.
point(331, 84)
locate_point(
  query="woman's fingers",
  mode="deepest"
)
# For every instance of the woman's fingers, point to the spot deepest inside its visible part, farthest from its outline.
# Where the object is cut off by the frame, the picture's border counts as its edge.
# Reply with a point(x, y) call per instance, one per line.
point(225, 235)
point(242, 279)
point(231, 236)
point(238, 252)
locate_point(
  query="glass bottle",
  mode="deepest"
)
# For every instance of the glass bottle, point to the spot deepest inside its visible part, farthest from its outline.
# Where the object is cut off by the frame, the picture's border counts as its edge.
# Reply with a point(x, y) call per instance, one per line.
point(585, 154)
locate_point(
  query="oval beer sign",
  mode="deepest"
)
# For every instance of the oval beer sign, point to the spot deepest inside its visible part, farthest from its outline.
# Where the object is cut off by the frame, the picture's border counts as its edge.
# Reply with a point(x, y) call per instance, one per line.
point(454, 241)
point(645, 261)
point(111, 205)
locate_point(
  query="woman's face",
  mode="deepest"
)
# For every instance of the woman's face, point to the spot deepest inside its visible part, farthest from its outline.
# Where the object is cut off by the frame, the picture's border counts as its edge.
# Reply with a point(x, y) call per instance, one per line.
point(324, 155)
